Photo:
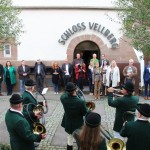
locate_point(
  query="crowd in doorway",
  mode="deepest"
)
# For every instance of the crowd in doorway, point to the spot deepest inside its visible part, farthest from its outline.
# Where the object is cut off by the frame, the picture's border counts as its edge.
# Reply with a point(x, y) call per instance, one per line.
point(99, 74)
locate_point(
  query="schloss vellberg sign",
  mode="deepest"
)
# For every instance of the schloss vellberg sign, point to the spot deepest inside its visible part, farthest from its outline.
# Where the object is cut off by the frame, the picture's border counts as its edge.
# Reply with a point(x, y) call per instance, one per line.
point(92, 26)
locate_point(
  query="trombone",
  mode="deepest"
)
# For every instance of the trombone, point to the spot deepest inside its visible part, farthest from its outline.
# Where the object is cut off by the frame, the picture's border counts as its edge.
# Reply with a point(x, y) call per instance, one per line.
point(90, 105)
point(113, 143)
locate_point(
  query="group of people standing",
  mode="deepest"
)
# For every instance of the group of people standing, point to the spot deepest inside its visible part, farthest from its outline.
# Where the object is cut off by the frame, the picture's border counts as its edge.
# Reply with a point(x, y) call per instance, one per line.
point(84, 125)
point(100, 75)
point(81, 123)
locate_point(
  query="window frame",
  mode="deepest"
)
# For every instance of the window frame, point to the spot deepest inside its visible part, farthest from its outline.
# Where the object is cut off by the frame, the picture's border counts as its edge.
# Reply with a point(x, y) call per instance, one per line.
point(5, 49)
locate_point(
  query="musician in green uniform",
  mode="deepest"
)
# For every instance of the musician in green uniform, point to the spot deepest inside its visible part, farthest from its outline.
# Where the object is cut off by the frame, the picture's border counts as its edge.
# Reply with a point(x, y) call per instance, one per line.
point(30, 102)
point(126, 103)
point(74, 110)
point(21, 136)
point(138, 132)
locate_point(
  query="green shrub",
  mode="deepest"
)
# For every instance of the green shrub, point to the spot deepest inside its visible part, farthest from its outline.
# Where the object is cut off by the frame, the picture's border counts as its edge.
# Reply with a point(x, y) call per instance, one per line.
point(4, 146)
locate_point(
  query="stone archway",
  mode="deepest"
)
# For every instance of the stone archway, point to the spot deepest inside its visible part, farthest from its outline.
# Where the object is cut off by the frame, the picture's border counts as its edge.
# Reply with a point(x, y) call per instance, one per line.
point(74, 42)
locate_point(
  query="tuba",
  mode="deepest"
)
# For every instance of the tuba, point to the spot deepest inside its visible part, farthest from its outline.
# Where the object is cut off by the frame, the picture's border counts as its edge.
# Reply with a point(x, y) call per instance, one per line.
point(113, 143)
point(80, 94)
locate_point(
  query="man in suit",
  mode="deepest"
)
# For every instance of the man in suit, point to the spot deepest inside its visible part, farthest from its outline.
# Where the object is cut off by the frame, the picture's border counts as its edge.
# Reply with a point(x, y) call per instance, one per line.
point(127, 102)
point(67, 71)
point(74, 110)
point(21, 135)
point(1, 78)
point(103, 58)
point(146, 77)
point(23, 71)
point(138, 132)
point(39, 71)
point(30, 103)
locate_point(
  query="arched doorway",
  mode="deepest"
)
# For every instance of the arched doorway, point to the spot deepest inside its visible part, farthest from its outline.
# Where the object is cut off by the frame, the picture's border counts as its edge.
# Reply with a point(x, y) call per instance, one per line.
point(87, 49)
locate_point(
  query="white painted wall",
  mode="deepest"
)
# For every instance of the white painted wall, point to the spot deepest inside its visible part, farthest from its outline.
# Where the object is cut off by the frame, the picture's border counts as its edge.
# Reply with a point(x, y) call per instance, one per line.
point(43, 29)
point(73, 3)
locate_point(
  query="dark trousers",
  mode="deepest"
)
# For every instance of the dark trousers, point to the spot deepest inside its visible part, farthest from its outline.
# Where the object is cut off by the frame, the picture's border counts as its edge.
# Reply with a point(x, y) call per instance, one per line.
point(9, 86)
point(39, 83)
point(80, 83)
point(147, 86)
point(0, 86)
point(91, 86)
point(66, 79)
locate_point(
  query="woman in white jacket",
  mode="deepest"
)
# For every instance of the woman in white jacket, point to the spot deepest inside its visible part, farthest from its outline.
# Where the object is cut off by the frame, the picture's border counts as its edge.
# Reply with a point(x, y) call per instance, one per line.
point(112, 75)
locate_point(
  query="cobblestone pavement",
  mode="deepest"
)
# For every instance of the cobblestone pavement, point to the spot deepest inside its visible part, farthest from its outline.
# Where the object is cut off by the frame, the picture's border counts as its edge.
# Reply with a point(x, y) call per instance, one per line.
point(56, 136)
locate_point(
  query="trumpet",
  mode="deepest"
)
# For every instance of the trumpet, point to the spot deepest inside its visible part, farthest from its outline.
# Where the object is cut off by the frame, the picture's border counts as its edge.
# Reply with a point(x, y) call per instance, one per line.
point(113, 143)
point(117, 93)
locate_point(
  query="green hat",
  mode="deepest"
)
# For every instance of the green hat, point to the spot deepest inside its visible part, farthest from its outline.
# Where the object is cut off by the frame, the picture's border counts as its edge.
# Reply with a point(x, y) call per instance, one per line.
point(15, 99)
point(70, 87)
point(92, 119)
point(144, 109)
point(30, 82)
point(129, 86)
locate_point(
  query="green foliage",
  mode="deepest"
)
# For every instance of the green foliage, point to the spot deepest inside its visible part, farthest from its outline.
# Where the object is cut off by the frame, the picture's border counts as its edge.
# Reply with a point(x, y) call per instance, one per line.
point(4, 147)
point(135, 15)
point(10, 24)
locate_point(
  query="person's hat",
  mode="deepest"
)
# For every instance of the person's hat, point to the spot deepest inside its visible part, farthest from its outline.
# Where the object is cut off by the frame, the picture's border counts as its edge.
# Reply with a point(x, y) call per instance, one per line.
point(30, 82)
point(70, 87)
point(92, 119)
point(15, 99)
point(129, 86)
point(144, 109)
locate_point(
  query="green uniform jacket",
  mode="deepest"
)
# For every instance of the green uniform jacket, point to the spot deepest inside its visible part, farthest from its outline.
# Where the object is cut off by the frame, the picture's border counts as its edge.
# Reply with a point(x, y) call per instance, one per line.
point(29, 103)
point(21, 136)
point(138, 134)
point(122, 104)
point(12, 72)
point(75, 108)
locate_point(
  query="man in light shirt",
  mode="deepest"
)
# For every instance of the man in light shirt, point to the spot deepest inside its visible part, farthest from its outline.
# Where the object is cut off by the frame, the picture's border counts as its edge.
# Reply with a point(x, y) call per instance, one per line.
point(67, 71)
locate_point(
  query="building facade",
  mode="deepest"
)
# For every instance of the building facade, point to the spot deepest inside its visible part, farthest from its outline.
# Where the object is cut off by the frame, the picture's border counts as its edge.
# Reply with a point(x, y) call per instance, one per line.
point(56, 30)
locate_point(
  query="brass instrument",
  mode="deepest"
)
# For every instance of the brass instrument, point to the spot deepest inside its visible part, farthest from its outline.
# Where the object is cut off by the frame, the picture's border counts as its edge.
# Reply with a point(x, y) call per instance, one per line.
point(38, 128)
point(90, 105)
point(117, 93)
point(113, 143)
point(39, 107)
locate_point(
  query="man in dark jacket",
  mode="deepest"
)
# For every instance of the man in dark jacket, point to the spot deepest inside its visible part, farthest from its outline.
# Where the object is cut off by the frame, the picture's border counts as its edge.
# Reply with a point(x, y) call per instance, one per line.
point(75, 108)
point(1, 78)
point(39, 70)
point(138, 132)
point(23, 71)
point(124, 104)
point(21, 136)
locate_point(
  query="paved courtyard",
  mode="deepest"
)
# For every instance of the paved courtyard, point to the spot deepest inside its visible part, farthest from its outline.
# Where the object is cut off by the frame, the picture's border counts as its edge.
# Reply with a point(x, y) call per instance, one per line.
point(56, 136)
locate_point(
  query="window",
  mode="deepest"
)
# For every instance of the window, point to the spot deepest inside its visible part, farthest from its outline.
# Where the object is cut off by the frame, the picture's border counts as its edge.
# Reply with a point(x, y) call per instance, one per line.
point(7, 50)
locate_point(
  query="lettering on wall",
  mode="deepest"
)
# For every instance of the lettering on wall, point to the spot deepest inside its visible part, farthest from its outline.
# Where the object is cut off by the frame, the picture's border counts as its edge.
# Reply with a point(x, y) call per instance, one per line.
point(91, 26)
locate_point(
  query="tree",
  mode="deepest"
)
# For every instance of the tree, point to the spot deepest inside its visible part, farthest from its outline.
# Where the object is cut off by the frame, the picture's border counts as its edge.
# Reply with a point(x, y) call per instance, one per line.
point(10, 24)
point(135, 17)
